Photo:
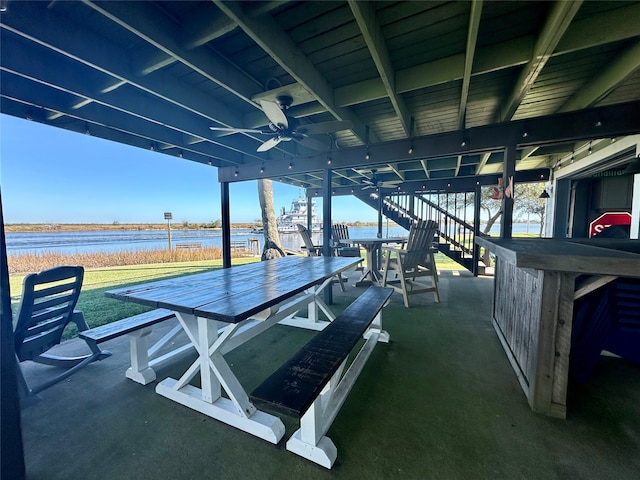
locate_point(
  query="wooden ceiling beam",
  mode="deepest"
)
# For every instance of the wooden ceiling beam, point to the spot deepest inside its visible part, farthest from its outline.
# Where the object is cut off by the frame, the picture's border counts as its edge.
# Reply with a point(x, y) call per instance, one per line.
point(602, 122)
point(558, 22)
point(472, 38)
point(582, 34)
point(625, 65)
point(117, 120)
point(277, 44)
point(460, 184)
point(76, 79)
point(55, 32)
point(148, 23)
point(365, 15)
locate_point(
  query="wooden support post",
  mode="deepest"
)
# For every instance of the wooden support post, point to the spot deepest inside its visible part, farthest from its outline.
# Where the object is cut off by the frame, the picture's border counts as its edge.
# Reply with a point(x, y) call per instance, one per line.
point(12, 453)
point(310, 213)
point(326, 225)
point(226, 225)
point(477, 200)
point(509, 171)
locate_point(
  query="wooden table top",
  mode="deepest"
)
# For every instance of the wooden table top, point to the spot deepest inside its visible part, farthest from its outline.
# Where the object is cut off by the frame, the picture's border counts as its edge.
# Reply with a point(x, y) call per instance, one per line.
point(234, 294)
point(566, 255)
point(374, 240)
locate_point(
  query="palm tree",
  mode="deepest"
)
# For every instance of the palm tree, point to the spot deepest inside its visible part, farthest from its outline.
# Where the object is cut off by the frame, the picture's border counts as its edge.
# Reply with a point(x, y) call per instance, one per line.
point(272, 246)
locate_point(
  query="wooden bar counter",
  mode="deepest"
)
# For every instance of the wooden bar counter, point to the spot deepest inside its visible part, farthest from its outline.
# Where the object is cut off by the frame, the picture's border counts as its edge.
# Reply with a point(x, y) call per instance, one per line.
point(535, 287)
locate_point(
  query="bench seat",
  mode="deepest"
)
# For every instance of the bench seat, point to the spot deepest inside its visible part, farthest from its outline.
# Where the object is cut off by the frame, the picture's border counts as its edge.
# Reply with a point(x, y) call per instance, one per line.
point(143, 359)
point(126, 325)
point(310, 385)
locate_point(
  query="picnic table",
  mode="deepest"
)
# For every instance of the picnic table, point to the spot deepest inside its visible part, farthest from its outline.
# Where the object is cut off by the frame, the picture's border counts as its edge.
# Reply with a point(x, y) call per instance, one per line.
point(222, 309)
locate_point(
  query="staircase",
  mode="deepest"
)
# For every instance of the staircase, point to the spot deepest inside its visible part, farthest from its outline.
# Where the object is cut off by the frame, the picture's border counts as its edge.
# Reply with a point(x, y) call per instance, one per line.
point(456, 236)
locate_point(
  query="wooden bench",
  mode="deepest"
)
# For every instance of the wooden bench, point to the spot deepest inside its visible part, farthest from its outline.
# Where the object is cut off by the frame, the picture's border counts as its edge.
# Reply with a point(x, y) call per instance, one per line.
point(311, 387)
point(143, 359)
point(189, 246)
point(239, 247)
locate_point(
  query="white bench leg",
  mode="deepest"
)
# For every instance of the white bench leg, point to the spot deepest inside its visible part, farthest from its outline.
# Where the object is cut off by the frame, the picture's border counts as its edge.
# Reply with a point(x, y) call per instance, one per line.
point(376, 326)
point(140, 371)
point(309, 440)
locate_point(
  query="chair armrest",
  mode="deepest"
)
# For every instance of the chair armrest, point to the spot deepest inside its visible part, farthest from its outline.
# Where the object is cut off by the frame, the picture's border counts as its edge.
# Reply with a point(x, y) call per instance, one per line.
point(79, 320)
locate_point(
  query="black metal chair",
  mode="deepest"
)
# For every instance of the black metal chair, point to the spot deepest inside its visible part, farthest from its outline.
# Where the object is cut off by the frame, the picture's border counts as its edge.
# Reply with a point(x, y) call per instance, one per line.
point(48, 305)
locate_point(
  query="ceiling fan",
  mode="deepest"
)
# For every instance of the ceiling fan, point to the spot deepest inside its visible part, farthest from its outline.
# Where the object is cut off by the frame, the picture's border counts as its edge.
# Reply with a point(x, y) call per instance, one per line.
point(283, 128)
point(376, 182)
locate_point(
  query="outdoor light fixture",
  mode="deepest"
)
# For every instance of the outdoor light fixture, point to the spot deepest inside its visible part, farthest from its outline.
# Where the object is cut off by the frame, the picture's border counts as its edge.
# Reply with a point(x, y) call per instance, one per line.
point(633, 167)
point(290, 166)
point(235, 174)
point(544, 194)
point(367, 156)
point(262, 168)
point(410, 149)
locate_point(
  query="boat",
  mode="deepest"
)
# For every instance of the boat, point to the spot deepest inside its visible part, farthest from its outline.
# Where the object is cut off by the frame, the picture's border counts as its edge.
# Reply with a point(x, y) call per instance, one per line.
point(298, 214)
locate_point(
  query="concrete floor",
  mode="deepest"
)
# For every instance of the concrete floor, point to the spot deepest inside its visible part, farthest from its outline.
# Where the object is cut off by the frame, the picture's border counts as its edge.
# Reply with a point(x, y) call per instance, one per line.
point(439, 402)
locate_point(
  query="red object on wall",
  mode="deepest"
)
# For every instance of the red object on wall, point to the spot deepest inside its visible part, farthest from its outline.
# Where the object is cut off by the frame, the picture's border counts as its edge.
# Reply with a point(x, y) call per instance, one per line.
point(608, 219)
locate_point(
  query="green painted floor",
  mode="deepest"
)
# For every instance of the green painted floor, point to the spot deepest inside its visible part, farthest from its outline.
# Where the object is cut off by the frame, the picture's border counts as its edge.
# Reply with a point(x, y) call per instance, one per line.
point(439, 402)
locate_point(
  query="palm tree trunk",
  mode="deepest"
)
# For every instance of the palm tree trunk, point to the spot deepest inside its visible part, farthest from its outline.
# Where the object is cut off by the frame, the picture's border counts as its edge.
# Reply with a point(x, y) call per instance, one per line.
point(272, 246)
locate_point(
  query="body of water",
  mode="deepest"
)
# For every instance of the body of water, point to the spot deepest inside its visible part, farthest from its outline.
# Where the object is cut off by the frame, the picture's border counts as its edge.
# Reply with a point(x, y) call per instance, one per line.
point(116, 241)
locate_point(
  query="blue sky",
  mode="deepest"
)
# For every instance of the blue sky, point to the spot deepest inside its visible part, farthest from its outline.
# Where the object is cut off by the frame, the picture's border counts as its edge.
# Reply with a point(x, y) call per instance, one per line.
point(51, 175)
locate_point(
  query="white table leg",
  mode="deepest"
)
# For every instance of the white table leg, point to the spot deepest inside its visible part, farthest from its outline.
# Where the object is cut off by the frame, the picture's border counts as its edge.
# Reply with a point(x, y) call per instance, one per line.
point(215, 374)
point(313, 299)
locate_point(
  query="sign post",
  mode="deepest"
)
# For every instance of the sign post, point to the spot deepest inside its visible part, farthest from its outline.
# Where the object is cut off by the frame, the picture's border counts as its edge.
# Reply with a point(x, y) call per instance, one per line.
point(607, 220)
point(168, 217)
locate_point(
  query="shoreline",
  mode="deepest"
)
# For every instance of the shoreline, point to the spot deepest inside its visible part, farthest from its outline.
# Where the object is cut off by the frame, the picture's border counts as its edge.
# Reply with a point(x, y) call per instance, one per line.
point(98, 227)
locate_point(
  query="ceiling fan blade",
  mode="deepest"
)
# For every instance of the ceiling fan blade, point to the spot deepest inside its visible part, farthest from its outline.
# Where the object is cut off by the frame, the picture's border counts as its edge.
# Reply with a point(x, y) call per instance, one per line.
point(269, 144)
point(238, 130)
point(325, 127)
point(274, 113)
point(311, 143)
